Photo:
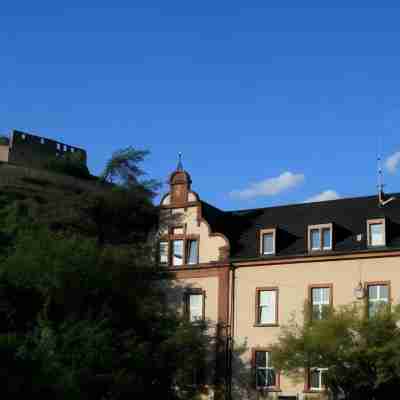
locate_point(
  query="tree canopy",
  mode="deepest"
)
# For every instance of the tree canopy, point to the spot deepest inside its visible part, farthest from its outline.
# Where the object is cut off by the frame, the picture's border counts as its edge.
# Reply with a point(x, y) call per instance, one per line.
point(83, 308)
point(361, 353)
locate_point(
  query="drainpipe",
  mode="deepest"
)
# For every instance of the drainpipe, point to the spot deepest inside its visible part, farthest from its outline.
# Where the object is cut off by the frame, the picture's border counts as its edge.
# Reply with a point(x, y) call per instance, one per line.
point(230, 335)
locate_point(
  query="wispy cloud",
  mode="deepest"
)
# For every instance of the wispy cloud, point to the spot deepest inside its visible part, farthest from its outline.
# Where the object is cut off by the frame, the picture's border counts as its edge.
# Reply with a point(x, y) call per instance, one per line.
point(270, 186)
point(392, 162)
point(324, 196)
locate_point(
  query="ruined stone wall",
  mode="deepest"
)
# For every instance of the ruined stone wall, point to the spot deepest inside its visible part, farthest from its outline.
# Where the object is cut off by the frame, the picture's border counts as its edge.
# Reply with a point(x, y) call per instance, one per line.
point(4, 152)
point(37, 151)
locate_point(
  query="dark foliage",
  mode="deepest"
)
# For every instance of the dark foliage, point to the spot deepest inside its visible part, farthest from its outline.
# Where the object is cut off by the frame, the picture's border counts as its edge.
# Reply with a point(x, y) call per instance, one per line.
point(83, 310)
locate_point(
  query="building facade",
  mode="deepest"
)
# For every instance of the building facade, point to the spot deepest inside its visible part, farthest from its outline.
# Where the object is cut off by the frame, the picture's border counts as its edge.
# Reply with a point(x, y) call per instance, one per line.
point(251, 271)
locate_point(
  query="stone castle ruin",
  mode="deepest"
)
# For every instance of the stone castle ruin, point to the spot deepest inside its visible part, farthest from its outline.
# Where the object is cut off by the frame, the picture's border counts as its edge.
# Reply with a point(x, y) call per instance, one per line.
point(35, 151)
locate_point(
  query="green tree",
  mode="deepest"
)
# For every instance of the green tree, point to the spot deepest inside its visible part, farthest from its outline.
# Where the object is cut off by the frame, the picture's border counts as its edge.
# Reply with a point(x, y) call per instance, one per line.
point(70, 164)
point(83, 307)
point(123, 169)
point(362, 354)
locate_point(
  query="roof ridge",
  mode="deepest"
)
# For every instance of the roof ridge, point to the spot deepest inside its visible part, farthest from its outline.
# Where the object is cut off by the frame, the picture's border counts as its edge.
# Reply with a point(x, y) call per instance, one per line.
point(308, 203)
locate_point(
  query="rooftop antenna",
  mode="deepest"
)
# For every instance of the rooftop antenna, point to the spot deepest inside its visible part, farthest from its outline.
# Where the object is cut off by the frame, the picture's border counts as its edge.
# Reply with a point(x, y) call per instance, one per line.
point(180, 164)
point(381, 194)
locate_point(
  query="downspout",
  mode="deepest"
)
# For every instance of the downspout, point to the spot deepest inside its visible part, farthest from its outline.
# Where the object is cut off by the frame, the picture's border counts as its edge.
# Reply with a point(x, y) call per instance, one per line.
point(231, 333)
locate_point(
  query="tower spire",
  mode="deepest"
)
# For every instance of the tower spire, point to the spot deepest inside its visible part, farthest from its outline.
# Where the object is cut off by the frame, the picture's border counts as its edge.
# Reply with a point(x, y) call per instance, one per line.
point(180, 164)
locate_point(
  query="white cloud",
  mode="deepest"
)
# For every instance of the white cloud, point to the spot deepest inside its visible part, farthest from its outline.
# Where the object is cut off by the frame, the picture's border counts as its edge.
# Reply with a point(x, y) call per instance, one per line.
point(324, 196)
point(270, 186)
point(392, 162)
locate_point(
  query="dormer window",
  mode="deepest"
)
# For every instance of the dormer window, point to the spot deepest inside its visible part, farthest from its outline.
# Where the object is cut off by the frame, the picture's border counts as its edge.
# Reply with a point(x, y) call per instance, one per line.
point(267, 241)
point(376, 232)
point(320, 237)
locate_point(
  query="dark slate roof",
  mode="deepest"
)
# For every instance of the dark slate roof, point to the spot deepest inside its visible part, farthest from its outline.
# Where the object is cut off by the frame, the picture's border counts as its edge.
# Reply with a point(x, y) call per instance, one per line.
point(348, 216)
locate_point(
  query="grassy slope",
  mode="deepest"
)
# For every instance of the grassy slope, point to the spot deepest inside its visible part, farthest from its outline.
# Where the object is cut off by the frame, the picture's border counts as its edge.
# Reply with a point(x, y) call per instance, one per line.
point(33, 194)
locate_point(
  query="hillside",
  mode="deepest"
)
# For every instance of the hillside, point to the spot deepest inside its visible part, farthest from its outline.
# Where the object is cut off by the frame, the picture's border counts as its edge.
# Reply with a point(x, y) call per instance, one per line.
point(72, 205)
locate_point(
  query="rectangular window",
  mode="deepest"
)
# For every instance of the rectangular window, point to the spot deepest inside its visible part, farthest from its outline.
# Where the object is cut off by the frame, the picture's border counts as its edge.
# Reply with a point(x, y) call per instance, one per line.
point(195, 306)
point(376, 232)
point(267, 305)
point(163, 252)
point(267, 241)
point(327, 238)
point(177, 231)
point(318, 378)
point(315, 239)
point(320, 302)
point(265, 373)
point(320, 237)
point(177, 248)
point(378, 296)
point(192, 251)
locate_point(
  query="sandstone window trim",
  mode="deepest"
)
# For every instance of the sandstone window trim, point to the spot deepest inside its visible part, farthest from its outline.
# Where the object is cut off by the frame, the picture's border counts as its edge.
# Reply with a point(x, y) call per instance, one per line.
point(311, 288)
point(321, 386)
point(368, 302)
point(187, 304)
point(262, 233)
point(370, 224)
point(320, 229)
point(259, 307)
point(268, 366)
point(186, 239)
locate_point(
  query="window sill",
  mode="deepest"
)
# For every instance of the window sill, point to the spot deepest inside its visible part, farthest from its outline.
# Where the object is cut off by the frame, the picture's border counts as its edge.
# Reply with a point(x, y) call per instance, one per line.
point(316, 391)
point(266, 325)
point(270, 389)
point(181, 265)
point(319, 251)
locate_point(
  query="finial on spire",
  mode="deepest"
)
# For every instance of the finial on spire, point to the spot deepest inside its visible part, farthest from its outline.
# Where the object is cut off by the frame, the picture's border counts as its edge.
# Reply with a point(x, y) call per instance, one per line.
point(180, 164)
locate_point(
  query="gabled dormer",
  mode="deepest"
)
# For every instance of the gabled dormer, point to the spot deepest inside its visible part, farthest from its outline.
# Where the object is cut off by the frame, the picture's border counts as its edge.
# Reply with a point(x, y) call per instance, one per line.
point(186, 238)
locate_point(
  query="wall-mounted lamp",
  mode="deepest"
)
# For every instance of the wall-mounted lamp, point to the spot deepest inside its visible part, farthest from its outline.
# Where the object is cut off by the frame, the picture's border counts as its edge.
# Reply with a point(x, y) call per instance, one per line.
point(359, 291)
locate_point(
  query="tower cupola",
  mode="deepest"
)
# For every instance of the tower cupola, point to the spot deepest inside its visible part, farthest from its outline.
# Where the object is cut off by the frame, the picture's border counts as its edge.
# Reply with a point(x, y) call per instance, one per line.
point(180, 184)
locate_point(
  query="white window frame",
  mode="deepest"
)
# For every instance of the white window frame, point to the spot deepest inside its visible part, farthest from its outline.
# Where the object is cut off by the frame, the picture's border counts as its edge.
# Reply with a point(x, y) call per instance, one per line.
point(267, 367)
point(259, 307)
point(321, 303)
point(377, 221)
point(321, 388)
point(189, 294)
point(379, 299)
point(267, 232)
point(320, 228)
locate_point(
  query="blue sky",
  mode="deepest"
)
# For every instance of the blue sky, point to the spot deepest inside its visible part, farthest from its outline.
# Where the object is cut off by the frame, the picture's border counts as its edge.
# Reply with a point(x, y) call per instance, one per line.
point(271, 102)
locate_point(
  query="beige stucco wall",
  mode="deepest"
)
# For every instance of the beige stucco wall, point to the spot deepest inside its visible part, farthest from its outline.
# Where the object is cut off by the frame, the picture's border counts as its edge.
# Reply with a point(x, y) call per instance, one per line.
point(4, 153)
point(167, 199)
point(208, 284)
point(293, 281)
